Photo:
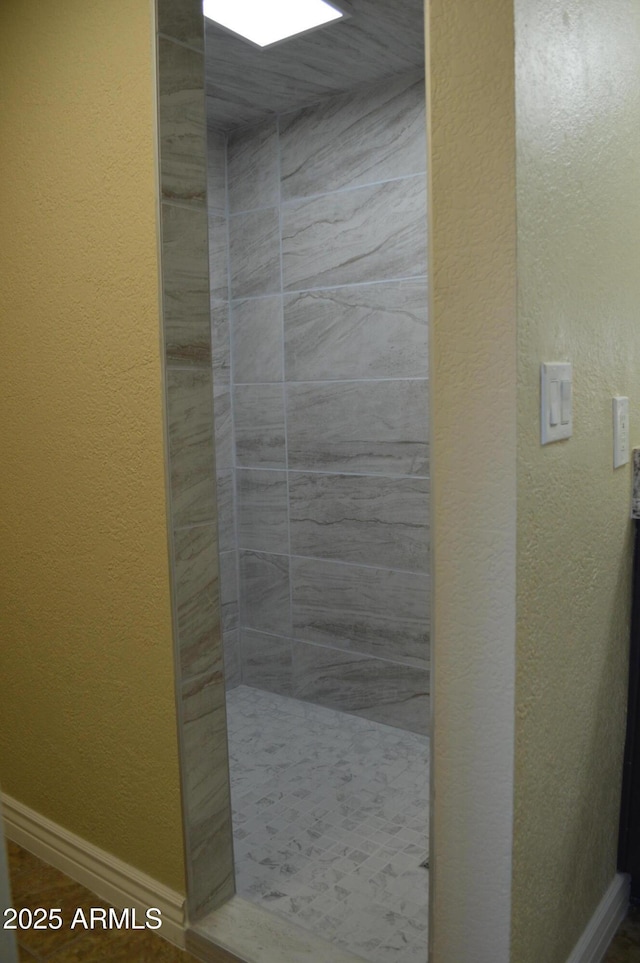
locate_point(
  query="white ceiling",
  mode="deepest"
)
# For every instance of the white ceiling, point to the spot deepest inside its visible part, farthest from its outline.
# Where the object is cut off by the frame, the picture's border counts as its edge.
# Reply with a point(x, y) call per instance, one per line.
point(246, 84)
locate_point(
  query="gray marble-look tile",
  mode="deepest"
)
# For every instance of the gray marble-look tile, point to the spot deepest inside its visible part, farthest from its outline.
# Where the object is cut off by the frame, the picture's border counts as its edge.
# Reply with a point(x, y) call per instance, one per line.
point(216, 171)
point(361, 426)
point(220, 342)
point(372, 611)
point(264, 592)
point(191, 456)
point(185, 279)
point(255, 253)
point(210, 864)
point(232, 663)
point(382, 39)
point(259, 426)
point(182, 124)
point(252, 158)
point(371, 519)
point(380, 130)
point(183, 21)
point(263, 524)
point(197, 590)
point(218, 258)
point(229, 602)
point(368, 331)
point(635, 506)
point(331, 825)
point(266, 661)
point(226, 510)
point(365, 234)
point(387, 692)
point(257, 340)
point(206, 797)
point(223, 426)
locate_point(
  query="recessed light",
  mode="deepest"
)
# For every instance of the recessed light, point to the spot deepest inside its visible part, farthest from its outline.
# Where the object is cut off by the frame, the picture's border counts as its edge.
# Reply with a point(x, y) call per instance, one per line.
point(265, 22)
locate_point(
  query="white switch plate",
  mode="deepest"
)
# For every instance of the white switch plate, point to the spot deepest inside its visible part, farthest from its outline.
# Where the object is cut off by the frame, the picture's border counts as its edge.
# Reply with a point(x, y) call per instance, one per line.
point(620, 432)
point(556, 409)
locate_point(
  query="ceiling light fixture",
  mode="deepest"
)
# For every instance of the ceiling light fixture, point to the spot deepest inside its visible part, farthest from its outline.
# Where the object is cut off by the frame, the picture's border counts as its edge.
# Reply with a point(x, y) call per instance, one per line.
point(265, 22)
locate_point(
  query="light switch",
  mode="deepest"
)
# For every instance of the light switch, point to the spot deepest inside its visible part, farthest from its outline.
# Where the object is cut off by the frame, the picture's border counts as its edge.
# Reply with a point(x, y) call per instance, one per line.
point(620, 432)
point(554, 403)
point(556, 415)
point(565, 402)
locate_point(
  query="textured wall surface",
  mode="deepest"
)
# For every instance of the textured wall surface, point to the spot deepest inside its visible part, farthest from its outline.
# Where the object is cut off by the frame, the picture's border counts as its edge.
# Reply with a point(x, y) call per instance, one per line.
point(87, 705)
point(470, 113)
point(578, 97)
point(329, 364)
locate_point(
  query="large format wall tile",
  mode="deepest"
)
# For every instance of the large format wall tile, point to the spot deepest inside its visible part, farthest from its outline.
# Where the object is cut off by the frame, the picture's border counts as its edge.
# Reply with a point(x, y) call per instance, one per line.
point(382, 691)
point(216, 171)
point(183, 140)
point(264, 589)
point(349, 340)
point(367, 234)
point(254, 253)
point(266, 661)
point(372, 611)
point(259, 426)
point(226, 510)
point(263, 524)
point(253, 167)
point(362, 426)
point(232, 663)
point(257, 340)
point(363, 137)
point(206, 792)
point(218, 257)
point(229, 591)
point(183, 21)
point(220, 342)
point(223, 425)
point(372, 520)
point(197, 589)
point(187, 328)
point(189, 404)
point(367, 331)
point(191, 458)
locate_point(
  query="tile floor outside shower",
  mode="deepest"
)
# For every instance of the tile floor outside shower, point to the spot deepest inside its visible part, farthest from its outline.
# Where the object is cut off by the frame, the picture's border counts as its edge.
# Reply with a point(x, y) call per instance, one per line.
point(331, 823)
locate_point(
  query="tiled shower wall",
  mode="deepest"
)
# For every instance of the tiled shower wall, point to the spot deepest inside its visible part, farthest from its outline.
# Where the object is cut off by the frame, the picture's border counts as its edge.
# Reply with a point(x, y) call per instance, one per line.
point(321, 401)
point(189, 420)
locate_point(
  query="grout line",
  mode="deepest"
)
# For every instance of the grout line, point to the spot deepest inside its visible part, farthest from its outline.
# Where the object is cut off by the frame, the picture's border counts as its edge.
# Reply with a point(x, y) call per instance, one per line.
point(284, 373)
point(181, 43)
point(198, 366)
point(187, 528)
point(232, 411)
point(199, 206)
point(334, 561)
point(302, 199)
point(332, 287)
point(333, 381)
point(334, 474)
point(336, 648)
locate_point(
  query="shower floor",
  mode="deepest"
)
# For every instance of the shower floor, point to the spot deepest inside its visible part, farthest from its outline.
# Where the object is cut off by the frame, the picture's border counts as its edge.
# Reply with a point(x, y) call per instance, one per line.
point(330, 815)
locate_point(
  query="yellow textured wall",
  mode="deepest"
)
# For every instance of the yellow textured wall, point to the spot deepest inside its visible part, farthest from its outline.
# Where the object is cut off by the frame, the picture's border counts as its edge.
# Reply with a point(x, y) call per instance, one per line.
point(472, 322)
point(87, 710)
point(578, 136)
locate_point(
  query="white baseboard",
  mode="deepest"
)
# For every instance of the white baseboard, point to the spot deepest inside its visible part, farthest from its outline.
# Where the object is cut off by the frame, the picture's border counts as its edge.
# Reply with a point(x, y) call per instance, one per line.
point(109, 878)
point(601, 928)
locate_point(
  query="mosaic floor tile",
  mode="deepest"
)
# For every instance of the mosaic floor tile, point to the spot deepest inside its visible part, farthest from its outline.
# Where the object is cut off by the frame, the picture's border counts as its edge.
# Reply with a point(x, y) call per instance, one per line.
point(330, 817)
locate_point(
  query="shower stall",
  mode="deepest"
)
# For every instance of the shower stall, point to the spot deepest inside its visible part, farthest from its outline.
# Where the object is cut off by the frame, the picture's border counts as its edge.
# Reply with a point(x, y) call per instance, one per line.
point(316, 173)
